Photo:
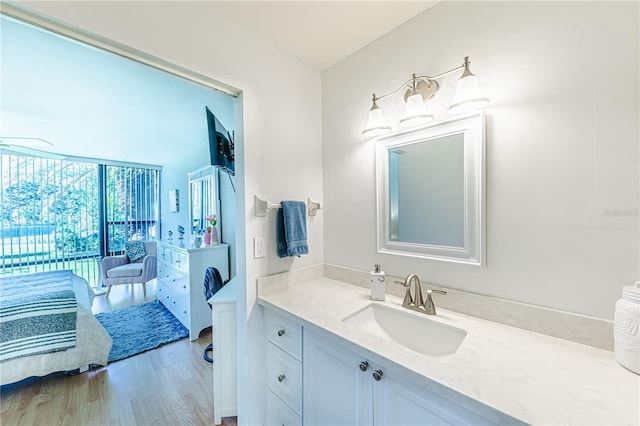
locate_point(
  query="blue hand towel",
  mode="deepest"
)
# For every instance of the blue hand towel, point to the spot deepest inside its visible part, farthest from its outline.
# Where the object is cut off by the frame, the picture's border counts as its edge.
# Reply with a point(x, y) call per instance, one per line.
point(291, 229)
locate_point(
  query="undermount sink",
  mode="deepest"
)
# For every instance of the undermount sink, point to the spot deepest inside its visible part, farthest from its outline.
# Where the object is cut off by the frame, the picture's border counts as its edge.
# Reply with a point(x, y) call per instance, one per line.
point(418, 333)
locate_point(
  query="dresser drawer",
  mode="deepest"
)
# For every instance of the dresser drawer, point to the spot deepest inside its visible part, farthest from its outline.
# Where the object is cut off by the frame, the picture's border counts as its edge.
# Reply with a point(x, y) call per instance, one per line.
point(173, 278)
point(279, 413)
point(177, 304)
point(285, 334)
point(164, 254)
point(174, 258)
point(163, 271)
point(178, 281)
point(180, 261)
point(284, 377)
point(180, 284)
point(180, 309)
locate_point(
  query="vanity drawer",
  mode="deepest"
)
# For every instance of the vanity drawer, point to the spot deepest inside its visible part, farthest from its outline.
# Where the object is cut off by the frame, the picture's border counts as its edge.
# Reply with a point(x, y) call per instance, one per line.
point(285, 334)
point(284, 377)
point(279, 413)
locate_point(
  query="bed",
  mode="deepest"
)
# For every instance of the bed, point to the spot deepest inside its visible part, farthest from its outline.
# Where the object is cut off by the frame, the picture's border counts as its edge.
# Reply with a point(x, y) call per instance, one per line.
point(91, 345)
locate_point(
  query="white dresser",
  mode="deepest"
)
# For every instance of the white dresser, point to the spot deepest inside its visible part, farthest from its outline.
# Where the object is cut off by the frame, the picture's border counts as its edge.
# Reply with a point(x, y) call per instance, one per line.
point(180, 278)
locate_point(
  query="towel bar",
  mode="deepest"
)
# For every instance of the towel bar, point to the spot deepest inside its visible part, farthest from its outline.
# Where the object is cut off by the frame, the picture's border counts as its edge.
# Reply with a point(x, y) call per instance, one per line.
point(262, 206)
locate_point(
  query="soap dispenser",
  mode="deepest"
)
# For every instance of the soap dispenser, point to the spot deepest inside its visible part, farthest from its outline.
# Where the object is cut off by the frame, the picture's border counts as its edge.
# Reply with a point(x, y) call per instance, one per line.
point(377, 283)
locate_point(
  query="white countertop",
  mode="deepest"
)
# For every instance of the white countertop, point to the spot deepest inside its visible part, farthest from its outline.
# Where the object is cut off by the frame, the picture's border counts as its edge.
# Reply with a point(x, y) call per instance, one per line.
point(533, 377)
point(227, 294)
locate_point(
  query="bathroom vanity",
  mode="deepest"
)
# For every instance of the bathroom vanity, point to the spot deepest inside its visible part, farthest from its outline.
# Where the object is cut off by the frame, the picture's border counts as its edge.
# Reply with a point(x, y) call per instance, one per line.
point(496, 374)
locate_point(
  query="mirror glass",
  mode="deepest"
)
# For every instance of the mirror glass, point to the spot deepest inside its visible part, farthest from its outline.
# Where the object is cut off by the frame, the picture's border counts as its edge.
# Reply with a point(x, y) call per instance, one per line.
point(431, 191)
point(202, 197)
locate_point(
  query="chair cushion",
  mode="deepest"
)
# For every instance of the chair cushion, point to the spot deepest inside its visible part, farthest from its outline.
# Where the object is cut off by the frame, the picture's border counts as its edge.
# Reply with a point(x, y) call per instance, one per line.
point(135, 250)
point(128, 270)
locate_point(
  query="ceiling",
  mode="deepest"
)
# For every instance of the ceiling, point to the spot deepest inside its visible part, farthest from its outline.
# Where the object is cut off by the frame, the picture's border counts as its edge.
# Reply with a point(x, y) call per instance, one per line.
point(326, 32)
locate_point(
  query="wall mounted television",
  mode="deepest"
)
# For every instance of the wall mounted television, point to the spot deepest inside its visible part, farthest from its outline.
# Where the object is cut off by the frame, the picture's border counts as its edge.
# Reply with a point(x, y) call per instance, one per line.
point(221, 146)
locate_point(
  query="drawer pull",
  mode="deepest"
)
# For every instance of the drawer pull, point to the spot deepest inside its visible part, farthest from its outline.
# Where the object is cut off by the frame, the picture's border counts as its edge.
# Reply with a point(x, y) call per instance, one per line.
point(281, 378)
point(281, 332)
point(174, 302)
point(377, 375)
point(364, 366)
point(184, 312)
point(167, 296)
point(184, 286)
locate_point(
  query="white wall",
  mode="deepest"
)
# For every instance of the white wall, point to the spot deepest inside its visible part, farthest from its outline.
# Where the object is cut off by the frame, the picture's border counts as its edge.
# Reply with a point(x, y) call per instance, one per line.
point(277, 122)
point(184, 156)
point(227, 214)
point(562, 146)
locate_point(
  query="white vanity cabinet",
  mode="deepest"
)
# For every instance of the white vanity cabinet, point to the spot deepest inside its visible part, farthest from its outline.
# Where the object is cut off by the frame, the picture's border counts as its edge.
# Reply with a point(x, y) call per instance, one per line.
point(342, 387)
point(283, 370)
point(337, 385)
point(225, 358)
point(180, 281)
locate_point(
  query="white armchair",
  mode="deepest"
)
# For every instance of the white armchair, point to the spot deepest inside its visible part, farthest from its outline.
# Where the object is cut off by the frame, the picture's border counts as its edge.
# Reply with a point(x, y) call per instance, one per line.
point(119, 270)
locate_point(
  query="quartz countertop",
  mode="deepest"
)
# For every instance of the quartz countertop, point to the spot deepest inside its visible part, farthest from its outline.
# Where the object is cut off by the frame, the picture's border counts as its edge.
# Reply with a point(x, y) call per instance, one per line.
point(532, 377)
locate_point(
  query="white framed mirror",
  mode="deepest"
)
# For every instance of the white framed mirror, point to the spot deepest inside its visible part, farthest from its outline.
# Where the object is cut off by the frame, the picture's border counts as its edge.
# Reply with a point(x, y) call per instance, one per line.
point(430, 191)
point(203, 197)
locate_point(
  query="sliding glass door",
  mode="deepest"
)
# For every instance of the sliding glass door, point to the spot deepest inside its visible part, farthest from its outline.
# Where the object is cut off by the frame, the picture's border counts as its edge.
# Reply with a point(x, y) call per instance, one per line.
point(131, 205)
point(66, 214)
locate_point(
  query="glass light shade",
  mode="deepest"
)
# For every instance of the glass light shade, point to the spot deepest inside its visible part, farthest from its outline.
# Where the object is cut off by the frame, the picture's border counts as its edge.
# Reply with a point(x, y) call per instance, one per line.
point(468, 95)
point(376, 124)
point(415, 112)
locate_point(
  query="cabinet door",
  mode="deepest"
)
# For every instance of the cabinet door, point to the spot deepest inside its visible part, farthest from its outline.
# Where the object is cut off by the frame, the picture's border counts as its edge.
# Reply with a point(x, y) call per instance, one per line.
point(397, 401)
point(336, 391)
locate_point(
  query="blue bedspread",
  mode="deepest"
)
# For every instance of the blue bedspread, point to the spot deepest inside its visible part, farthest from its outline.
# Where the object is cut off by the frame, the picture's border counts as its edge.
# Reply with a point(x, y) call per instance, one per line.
point(38, 314)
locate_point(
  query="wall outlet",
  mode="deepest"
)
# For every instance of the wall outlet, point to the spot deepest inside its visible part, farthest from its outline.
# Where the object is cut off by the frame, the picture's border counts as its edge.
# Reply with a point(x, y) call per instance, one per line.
point(258, 247)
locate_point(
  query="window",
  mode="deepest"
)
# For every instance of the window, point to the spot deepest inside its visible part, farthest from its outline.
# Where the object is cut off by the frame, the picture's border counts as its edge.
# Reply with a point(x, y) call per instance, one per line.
point(67, 214)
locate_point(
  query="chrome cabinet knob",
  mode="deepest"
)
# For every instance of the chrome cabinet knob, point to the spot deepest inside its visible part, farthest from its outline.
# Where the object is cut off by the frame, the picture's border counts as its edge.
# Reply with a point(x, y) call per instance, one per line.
point(281, 378)
point(377, 375)
point(281, 332)
point(364, 366)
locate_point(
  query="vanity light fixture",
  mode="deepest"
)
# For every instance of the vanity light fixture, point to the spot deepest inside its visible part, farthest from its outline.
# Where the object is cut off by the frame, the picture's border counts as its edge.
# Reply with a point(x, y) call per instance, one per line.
point(418, 90)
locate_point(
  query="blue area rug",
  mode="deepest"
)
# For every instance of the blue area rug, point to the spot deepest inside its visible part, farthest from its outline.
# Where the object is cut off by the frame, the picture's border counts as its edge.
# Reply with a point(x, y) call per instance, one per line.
point(138, 328)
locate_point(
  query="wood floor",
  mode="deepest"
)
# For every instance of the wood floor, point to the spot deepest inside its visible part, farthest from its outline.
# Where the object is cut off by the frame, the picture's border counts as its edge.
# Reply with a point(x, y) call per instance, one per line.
point(170, 385)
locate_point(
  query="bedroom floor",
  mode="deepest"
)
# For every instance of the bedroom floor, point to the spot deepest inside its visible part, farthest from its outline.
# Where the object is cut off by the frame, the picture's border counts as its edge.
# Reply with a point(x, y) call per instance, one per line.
point(170, 385)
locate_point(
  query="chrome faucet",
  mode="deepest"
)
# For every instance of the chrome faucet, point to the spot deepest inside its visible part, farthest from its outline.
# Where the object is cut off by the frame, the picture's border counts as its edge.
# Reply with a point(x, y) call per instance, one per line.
point(416, 303)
